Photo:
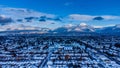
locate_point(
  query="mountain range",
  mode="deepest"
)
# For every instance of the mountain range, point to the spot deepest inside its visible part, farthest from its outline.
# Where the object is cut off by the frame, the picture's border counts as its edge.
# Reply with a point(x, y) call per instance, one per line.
point(77, 30)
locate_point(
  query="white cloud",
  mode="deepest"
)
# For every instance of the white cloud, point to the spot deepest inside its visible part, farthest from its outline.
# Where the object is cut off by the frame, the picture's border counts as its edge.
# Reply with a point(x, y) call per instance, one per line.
point(110, 17)
point(69, 25)
point(22, 13)
point(98, 26)
point(79, 17)
point(18, 27)
point(95, 26)
point(5, 20)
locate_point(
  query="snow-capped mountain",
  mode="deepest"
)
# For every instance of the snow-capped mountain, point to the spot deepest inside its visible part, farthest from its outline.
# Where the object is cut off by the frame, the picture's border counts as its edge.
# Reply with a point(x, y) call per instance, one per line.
point(86, 29)
point(76, 28)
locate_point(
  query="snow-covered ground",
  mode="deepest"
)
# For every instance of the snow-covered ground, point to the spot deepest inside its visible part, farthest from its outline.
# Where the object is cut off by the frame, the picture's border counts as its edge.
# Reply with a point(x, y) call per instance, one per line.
point(59, 52)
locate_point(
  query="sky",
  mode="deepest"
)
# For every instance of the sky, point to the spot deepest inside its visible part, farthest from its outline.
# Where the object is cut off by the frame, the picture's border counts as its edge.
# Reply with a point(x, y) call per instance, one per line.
point(66, 7)
point(98, 13)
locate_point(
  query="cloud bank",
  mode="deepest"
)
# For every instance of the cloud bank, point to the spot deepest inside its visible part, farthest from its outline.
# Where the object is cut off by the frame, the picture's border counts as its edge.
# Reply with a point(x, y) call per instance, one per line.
point(5, 20)
point(79, 17)
point(25, 19)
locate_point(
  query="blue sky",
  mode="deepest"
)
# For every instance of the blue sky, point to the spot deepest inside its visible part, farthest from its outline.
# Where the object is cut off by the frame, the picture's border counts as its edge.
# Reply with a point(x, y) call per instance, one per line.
point(98, 13)
point(66, 7)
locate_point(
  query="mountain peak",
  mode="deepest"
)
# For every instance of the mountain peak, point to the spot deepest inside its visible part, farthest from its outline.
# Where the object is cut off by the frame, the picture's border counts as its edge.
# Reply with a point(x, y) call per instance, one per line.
point(83, 24)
